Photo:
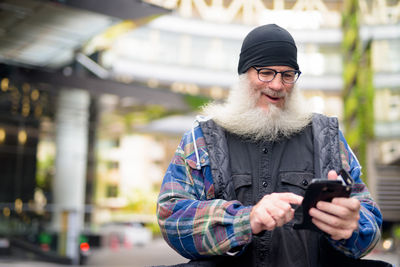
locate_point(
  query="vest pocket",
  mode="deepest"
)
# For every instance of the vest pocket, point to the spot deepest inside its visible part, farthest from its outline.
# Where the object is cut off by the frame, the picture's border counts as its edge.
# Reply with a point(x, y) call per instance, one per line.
point(242, 184)
point(295, 182)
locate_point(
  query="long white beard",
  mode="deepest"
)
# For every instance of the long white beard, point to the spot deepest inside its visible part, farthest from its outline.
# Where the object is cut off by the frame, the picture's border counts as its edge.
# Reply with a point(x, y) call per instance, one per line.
point(240, 115)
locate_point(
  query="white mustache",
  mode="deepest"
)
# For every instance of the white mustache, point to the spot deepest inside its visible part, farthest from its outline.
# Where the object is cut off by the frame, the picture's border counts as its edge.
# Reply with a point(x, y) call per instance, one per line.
point(273, 93)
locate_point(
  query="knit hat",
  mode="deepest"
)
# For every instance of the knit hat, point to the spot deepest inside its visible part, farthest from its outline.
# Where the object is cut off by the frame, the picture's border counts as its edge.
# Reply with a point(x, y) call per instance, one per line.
point(268, 45)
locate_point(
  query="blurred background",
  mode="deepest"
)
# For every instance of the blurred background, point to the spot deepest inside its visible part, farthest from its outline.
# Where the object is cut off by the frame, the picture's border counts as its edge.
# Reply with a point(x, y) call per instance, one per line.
point(95, 95)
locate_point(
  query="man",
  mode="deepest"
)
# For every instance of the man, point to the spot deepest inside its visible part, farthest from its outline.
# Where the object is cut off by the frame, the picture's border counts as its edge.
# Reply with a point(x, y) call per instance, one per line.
point(230, 193)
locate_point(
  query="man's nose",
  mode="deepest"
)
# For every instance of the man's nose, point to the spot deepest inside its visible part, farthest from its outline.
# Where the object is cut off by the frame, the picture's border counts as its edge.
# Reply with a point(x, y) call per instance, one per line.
point(276, 83)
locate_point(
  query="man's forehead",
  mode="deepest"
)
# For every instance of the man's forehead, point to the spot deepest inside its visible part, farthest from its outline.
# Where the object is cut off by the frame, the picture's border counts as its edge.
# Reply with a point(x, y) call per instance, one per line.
point(278, 68)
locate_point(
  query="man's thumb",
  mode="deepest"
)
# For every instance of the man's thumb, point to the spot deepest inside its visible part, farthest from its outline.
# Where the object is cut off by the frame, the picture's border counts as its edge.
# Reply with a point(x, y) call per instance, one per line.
point(332, 175)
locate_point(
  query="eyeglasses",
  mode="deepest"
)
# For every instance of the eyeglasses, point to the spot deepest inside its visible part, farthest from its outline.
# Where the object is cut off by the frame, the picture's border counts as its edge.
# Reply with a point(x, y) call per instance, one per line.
point(267, 75)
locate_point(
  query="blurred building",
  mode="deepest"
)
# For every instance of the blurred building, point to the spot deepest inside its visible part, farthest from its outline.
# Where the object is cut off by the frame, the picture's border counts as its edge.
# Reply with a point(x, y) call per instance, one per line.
point(50, 85)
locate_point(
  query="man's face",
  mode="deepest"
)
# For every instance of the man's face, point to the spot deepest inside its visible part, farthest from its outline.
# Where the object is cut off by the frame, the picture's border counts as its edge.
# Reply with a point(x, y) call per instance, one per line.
point(274, 92)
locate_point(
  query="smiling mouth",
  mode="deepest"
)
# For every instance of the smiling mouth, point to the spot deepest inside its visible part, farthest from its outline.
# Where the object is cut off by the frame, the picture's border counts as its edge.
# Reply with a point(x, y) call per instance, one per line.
point(273, 98)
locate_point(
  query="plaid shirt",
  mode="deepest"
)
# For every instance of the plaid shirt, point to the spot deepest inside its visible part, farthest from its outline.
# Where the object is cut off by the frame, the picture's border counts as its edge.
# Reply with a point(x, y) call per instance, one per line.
point(196, 224)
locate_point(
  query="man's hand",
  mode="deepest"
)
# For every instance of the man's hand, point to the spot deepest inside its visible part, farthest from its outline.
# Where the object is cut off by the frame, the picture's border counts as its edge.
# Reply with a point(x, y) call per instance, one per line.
point(338, 218)
point(272, 211)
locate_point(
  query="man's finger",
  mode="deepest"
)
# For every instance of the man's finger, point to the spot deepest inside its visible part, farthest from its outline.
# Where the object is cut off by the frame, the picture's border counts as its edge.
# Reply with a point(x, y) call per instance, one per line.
point(325, 227)
point(290, 198)
point(269, 222)
point(350, 203)
point(325, 217)
point(331, 208)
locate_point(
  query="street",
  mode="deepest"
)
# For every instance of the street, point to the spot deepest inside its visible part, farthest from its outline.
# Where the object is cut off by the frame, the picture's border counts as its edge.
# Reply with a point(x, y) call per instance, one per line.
point(154, 254)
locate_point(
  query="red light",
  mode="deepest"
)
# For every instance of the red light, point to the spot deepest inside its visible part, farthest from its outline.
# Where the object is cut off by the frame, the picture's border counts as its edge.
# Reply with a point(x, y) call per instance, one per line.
point(84, 246)
point(45, 247)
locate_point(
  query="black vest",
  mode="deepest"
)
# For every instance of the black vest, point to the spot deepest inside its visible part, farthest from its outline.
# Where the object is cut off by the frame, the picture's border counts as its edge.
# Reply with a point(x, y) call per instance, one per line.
point(258, 169)
point(247, 171)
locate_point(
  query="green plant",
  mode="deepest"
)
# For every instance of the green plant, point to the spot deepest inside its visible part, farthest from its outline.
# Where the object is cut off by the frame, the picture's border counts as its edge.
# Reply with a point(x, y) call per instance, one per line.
point(195, 102)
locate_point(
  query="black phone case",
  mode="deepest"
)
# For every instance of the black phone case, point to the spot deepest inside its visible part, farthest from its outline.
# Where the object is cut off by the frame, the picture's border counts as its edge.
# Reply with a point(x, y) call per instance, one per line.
point(320, 190)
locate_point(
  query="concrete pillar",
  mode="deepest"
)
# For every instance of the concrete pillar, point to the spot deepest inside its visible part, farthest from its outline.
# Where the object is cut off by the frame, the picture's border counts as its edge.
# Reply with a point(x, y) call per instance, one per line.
point(70, 163)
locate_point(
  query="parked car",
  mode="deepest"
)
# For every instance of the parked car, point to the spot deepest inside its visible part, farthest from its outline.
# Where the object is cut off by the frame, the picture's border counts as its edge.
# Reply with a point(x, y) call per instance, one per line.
point(125, 233)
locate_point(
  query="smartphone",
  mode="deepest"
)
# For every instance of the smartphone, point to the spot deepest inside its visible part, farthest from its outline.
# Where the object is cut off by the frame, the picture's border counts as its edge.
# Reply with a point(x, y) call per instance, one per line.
point(323, 190)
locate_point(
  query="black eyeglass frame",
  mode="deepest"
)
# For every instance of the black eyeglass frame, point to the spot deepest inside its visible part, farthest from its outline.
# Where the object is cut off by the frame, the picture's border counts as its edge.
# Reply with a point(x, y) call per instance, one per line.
point(276, 72)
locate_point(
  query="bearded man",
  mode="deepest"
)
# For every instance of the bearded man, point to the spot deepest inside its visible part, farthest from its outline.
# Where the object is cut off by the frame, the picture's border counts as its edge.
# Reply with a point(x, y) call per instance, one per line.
point(230, 194)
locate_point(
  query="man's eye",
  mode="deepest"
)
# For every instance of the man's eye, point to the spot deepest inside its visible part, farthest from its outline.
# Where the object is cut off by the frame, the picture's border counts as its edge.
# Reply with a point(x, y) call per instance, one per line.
point(289, 74)
point(267, 73)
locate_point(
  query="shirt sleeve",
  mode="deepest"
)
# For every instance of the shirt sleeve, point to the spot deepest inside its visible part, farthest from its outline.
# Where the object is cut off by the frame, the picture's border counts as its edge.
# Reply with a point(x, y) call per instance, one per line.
point(368, 233)
point(191, 220)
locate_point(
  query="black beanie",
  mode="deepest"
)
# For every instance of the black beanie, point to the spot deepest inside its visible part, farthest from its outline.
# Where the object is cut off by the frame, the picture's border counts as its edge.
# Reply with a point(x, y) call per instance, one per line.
point(268, 45)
